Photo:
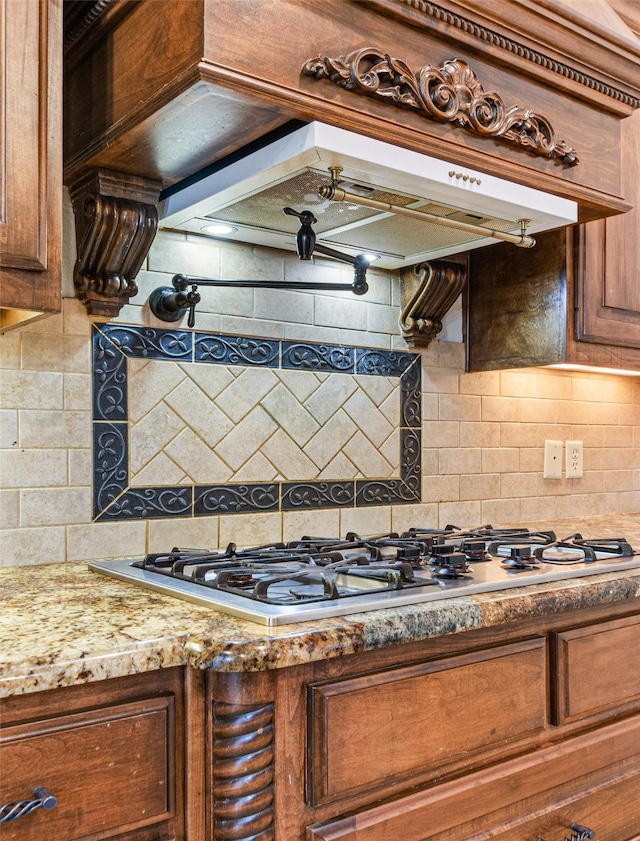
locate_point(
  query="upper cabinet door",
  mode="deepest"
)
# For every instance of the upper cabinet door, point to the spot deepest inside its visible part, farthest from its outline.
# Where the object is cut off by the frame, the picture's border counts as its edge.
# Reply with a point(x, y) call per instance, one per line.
point(608, 293)
point(30, 158)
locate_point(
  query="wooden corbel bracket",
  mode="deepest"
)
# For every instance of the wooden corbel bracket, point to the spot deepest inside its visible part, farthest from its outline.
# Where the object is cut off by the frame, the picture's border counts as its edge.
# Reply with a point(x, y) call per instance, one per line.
point(429, 290)
point(116, 222)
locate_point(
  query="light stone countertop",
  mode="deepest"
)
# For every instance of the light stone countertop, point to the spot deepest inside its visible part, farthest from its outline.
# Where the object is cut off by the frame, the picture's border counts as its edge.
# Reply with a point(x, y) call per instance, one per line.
point(61, 624)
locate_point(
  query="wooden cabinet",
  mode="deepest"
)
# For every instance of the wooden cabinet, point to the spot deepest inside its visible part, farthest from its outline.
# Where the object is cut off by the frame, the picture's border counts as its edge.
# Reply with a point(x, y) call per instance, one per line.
point(111, 753)
point(520, 733)
point(30, 160)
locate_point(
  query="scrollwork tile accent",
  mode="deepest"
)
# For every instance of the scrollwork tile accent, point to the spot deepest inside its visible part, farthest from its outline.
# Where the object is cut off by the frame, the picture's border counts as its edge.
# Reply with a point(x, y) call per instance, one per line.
point(306, 356)
point(113, 498)
point(148, 343)
point(298, 496)
point(236, 499)
point(236, 350)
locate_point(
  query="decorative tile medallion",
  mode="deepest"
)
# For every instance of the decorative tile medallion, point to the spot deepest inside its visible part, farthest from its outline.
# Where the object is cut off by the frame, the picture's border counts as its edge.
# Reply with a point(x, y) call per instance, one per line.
point(203, 436)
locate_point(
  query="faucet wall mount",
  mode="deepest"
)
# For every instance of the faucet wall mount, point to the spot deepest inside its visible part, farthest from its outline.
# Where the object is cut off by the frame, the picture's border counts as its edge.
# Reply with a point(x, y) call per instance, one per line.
point(170, 303)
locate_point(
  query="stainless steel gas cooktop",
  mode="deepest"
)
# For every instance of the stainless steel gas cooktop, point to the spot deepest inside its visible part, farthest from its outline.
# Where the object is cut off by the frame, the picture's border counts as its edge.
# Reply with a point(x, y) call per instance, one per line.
point(316, 577)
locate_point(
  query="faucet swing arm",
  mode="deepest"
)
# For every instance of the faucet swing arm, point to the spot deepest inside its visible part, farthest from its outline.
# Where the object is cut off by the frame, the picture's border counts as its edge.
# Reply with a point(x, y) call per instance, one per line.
point(170, 303)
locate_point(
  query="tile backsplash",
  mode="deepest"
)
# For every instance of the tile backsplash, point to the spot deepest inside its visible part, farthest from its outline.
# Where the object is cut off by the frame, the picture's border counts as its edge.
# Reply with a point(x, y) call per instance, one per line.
point(480, 437)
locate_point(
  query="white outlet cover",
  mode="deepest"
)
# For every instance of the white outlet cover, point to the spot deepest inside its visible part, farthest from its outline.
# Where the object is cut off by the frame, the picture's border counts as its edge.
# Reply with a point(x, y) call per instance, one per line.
point(573, 460)
point(552, 460)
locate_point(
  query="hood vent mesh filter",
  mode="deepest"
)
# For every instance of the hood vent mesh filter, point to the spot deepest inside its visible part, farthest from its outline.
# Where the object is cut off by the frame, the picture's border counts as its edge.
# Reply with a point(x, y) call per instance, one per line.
point(343, 223)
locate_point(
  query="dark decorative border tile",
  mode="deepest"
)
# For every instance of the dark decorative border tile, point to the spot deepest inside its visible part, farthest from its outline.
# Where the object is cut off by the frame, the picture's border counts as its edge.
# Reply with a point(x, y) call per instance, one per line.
point(304, 495)
point(306, 356)
point(114, 499)
point(236, 499)
point(231, 350)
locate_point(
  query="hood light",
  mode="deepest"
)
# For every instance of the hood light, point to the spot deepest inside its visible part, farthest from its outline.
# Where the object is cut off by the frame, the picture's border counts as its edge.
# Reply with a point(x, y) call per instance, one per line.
point(218, 229)
point(592, 369)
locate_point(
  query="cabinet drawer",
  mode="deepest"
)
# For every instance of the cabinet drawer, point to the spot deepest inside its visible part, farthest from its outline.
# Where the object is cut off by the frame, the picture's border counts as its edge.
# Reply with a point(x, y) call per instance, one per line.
point(591, 780)
point(109, 768)
point(596, 668)
point(413, 720)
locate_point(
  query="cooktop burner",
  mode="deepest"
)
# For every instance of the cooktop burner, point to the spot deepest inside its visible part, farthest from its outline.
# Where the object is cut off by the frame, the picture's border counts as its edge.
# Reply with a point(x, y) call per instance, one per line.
point(316, 577)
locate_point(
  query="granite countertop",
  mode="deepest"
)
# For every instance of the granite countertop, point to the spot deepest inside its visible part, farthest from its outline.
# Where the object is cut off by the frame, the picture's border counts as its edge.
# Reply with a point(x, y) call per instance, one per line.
point(61, 624)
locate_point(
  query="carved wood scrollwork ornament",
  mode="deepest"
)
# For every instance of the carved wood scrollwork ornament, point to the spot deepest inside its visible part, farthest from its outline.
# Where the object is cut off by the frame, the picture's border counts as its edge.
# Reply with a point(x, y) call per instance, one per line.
point(449, 93)
point(116, 222)
point(429, 290)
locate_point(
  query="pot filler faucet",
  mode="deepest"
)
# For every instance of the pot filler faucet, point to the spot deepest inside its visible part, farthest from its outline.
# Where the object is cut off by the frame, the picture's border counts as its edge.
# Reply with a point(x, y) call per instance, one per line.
point(170, 304)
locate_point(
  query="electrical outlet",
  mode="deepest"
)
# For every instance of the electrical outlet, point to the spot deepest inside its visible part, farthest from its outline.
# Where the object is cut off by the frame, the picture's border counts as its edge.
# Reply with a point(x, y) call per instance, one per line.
point(574, 465)
point(552, 460)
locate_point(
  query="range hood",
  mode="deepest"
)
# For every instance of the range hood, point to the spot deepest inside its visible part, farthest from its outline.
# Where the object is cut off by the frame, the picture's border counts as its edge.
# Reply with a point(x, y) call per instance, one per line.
point(251, 192)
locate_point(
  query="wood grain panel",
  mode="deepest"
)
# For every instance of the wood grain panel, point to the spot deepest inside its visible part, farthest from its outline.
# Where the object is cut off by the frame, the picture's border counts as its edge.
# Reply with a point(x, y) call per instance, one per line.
point(109, 768)
point(593, 780)
point(596, 667)
point(408, 719)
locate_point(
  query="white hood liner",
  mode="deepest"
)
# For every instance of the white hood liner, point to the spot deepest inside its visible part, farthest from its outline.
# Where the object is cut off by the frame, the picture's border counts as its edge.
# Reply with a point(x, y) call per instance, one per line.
point(250, 194)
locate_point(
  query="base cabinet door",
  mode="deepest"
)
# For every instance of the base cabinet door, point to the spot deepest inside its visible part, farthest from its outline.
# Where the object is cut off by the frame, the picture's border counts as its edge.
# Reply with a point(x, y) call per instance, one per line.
point(587, 787)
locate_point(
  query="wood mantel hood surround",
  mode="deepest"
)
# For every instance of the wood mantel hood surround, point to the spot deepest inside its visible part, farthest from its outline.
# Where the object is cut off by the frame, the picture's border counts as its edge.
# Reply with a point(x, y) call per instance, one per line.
point(155, 92)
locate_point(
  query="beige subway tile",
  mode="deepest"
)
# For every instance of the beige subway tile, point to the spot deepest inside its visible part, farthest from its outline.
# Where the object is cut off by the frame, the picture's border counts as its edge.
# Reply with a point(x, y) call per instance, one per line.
point(239, 261)
point(185, 532)
point(152, 434)
point(430, 407)
point(225, 301)
point(513, 485)
point(369, 461)
point(390, 450)
point(553, 385)
point(174, 253)
point(486, 486)
point(479, 434)
point(62, 429)
point(280, 305)
point(285, 454)
point(599, 458)
point(617, 480)
point(629, 501)
point(439, 380)
point(382, 319)
point(591, 436)
point(500, 460)
point(199, 413)
point(253, 529)
point(318, 269)
point(442, 434)
point(31, 390)
point(502, 512)
point(520, 383)
point(440, 488)
point(10, 350)
point(8, 428)
point(74, 318)
point(429, 461)
point(364, 338)
point(459, 407)
point(604, 413)
point(460, 461)
point(246, 438)
point(330, 439)
point(618, 436)
point(76, 392)
point(338, 468)
point(520, 435)
point(33, 468)
point(482, 382)
point(311, 522)
point(572, 412)
point(555, 431)
point(335, 312)
point(54, 506)
point(602, 389)
point(531, 459)
point(375, 519)
point(368, 417)
point(290, 414)
point(330, 396)
point(543, 411)
point(501, 409)
point(67, 354)
point(383, 391)
point(258, 469)
point(32, 546)
point(311, 333)
point(404, 517)
point(106, 540)
point(244, 393)
point(450, 355)
point(161, 470)
point(459, 513)
point(9, 509)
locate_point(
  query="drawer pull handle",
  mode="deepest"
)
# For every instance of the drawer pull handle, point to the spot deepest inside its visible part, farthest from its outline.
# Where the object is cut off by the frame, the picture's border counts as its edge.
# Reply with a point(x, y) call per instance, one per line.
point(42, 798)
point(579, 833)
